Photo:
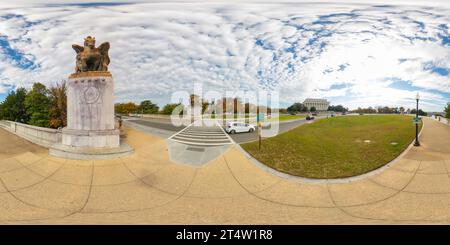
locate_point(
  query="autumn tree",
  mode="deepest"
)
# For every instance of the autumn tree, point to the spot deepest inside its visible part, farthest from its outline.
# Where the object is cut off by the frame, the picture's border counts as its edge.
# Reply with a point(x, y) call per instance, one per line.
point(58, 106)
point(125, 108)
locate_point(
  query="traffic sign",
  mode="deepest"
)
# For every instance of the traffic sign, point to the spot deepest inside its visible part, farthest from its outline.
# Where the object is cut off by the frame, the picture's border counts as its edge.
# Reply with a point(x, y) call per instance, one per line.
point(417, 120)
point(260, 117)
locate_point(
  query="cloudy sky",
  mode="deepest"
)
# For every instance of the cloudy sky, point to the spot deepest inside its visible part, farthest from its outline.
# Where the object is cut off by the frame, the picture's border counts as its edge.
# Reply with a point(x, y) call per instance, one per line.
point(370, 54)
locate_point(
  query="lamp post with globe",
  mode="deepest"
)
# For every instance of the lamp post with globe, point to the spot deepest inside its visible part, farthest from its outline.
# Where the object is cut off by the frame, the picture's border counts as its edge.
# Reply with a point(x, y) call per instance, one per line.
point(416, 142)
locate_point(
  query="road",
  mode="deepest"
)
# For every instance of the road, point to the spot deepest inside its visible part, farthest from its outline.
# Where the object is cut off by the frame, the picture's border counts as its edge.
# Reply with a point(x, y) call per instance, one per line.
point(165, 124)
point(157, 123)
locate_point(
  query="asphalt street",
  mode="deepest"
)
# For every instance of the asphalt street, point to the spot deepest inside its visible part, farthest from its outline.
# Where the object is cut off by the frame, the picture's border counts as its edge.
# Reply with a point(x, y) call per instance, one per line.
point(157, 123)
point(165, 124)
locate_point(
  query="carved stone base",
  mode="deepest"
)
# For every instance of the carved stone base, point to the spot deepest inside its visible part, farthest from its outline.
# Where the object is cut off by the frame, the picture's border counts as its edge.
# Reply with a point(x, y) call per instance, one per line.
point(90, 131)
point(89, 153)
point(90, 101)
point(91, 138)
point(90, 111)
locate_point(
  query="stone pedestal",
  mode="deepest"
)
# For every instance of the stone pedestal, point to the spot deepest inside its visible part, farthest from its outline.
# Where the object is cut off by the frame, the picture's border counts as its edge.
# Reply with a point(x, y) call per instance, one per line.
point(90, 131)
point(90, 111)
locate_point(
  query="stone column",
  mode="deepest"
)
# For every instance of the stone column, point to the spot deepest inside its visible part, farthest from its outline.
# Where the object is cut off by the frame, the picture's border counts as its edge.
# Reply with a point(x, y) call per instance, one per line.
point(90, 111)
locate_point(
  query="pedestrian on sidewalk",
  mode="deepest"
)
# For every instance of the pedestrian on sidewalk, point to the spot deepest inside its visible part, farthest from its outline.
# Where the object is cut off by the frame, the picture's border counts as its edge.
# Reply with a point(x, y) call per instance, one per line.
point(120, 122)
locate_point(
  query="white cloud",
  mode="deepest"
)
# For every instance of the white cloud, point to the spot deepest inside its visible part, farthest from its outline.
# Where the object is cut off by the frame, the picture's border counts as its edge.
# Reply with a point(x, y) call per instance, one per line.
point(3, 89)
point(157, 48)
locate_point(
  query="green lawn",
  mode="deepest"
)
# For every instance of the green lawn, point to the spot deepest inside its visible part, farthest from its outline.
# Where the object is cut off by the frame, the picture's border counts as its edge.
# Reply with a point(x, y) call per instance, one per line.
point(336, 147)
point(285, 118)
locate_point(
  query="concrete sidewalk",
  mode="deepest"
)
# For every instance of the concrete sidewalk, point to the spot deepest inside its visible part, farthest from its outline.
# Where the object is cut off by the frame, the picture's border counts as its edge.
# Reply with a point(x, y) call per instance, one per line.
point(146, 188)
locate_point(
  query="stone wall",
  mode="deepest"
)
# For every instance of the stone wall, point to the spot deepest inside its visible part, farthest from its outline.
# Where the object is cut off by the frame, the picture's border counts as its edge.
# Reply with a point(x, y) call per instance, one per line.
point(442, 120)
point(38, 135)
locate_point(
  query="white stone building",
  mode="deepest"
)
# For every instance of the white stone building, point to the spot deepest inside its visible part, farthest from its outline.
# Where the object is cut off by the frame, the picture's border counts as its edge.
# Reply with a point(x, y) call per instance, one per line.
point(319, 104)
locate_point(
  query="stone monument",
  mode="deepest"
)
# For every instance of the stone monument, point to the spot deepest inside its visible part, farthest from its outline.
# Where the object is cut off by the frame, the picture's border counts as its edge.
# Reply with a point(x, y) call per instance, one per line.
point(90, 127)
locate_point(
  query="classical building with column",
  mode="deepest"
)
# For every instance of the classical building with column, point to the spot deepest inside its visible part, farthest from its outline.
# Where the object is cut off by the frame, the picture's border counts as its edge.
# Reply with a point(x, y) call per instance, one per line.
point(319, 104)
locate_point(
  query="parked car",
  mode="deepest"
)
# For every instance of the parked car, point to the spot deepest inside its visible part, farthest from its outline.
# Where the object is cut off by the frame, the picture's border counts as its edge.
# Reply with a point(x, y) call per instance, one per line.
point(309, 117)
point(314, 114)
point(239, 127)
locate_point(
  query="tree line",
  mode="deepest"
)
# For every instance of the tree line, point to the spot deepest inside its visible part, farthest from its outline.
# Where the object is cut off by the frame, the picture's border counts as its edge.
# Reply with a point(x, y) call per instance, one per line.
point(225, 105)
point(300, 107)
point(40, 106)
point(47, 107)
point(389, 110)
point(145, 107)
point(233, 105)
point(447, 111)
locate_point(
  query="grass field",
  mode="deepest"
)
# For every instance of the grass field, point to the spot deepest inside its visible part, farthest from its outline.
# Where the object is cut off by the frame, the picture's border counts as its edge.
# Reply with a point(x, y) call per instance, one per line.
point(285, 118)
point(336, 147)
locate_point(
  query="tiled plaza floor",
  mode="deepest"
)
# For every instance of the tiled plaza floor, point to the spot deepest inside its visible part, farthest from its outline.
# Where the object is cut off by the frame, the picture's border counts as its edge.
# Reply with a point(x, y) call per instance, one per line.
point(146, 188)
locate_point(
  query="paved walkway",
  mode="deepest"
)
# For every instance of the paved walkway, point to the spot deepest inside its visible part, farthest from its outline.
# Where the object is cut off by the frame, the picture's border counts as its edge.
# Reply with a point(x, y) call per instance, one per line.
point(198, 145)
point(147, 188)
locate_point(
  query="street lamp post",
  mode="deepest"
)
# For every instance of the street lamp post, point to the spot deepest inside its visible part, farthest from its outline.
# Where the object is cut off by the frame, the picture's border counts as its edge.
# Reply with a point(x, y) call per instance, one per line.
point(417, 143)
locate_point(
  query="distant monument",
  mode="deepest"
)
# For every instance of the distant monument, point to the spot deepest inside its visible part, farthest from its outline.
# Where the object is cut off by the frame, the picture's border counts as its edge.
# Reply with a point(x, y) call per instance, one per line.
point(90, 127)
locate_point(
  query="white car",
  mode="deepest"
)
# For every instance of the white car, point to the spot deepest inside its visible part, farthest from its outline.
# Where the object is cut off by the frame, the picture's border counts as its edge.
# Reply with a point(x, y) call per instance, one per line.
point(239, 127)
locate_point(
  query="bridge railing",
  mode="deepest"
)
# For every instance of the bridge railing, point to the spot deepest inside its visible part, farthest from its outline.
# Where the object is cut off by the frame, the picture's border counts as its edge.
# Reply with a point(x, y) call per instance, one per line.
point(442, 120)
point(38, 135)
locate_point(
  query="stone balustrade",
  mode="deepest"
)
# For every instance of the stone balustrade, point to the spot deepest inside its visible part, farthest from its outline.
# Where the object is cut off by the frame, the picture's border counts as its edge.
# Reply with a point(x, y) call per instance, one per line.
point(38, 135)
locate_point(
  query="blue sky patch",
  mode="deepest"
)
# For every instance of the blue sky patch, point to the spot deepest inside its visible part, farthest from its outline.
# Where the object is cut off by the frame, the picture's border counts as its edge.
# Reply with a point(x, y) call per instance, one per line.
point(291, 68)
point(263, 44)
point(445, 39)
point(407, 85)
point(324, 22)
point(2, 97)
point(442, 71)
point(89, 5)
point(420, 24)
point(8, 88)
point(10, 16)
point(343, 67)
point(14, 55)
point(338, 15)
point(403, 85)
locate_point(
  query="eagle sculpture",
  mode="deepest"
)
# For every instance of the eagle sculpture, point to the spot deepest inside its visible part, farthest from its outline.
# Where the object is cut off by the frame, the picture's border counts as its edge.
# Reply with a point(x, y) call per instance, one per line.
point(90, 58)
